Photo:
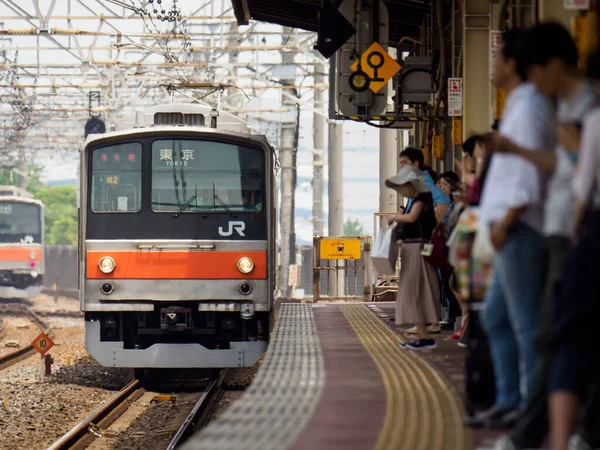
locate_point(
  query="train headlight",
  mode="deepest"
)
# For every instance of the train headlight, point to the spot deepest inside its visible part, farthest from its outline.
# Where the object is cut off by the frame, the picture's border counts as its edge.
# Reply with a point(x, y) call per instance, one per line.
point(245, 265)
point(106, 264)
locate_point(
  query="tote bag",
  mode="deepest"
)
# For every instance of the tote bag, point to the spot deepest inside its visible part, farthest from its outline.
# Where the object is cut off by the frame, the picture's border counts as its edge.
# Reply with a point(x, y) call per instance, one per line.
point(384, 252)
point(483, 251)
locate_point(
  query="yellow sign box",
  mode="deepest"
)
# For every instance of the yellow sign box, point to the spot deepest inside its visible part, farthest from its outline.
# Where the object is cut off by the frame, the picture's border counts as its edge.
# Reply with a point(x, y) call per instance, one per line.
point(378, 65)
point(438, 146)
point(335, 248)
point(457, 131)
point(499, 101)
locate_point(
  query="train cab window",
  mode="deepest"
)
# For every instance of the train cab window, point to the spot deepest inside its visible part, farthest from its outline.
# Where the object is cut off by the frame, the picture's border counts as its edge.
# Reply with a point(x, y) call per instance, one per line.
point(20, 223)
point(200, 176)
point(116, 181)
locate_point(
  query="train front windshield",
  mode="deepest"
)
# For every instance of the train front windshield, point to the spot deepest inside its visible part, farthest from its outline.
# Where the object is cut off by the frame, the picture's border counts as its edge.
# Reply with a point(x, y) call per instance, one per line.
point(20, 223)
point(192, 175)
point(176, 188)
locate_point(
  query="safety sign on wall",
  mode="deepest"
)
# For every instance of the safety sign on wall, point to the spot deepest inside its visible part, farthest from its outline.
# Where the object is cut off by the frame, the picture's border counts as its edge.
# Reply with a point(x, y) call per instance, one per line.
point(495, 46)
point(455, 97)
point(577, 4)
point(335, 248)
point(376, 69)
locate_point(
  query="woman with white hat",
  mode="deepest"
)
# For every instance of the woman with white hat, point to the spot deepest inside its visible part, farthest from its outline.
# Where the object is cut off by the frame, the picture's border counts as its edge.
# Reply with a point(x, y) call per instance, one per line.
point(418, 285)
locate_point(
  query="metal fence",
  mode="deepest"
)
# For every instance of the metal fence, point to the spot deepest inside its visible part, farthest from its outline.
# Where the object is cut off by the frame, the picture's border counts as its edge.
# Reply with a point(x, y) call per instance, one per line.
point(62, 269)
point(342, 279)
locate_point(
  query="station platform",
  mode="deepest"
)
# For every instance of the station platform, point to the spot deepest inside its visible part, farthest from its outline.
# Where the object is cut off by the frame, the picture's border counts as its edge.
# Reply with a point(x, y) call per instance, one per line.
point(335, 377)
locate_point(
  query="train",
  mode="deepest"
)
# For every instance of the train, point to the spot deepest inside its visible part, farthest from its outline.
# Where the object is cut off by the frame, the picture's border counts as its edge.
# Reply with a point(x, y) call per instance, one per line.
point(21, 243)
point(177, 236)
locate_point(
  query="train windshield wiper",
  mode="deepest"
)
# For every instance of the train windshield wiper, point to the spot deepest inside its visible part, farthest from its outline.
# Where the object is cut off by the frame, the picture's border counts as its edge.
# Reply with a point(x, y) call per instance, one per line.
point(187, 204)
point(224, 205)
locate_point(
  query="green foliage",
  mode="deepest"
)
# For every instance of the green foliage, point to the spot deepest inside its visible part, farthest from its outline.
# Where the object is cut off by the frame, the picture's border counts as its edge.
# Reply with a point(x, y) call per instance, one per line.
point(60, 205)
point(353, 228)
point(61, 214)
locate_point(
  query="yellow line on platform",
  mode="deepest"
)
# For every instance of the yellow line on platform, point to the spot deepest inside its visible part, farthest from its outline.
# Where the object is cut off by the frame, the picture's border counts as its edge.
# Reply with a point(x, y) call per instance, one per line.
point(423, 413)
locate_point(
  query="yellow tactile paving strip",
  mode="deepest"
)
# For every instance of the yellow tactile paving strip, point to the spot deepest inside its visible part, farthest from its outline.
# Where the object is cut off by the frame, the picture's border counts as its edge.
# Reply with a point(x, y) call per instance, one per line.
point(423, 412)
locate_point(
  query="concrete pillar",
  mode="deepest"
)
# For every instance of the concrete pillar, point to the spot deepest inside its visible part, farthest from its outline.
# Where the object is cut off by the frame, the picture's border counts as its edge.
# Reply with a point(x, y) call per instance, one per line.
point(477, 95)
point(318, 151)
point(387, 168)
point(286, 159)
point(335, 187)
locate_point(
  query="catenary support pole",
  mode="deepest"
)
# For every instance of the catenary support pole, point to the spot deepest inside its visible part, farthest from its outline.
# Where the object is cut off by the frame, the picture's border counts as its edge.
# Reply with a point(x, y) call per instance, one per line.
point(387, 168)
point(335, 188)
point(319, 133)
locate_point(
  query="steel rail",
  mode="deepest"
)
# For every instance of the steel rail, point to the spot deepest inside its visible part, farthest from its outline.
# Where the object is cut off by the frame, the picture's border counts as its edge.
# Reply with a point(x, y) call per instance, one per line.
point(78, 433)
point(200, 408)
point(29, 350)
point(14, 357)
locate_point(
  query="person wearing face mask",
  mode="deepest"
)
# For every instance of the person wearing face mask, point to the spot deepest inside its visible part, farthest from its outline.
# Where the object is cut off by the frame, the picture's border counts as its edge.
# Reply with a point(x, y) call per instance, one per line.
point(553, 69)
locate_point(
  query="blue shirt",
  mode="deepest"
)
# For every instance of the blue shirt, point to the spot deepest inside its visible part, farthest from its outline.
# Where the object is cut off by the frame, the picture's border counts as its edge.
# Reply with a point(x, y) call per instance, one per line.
point(439, 198)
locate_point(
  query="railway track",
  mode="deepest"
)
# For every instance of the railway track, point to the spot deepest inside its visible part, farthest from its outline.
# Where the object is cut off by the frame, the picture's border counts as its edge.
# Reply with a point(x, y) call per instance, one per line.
point(200, 413)
point(12, 358)
point(84, 433)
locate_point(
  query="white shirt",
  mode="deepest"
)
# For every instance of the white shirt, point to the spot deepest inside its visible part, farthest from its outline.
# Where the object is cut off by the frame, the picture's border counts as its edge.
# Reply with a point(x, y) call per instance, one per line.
point(558, 220)
point(512, 182)
point(586, 183)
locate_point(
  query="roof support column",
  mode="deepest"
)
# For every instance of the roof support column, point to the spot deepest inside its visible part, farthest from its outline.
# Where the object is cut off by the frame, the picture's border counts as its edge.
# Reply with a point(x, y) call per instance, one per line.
point(477, 96)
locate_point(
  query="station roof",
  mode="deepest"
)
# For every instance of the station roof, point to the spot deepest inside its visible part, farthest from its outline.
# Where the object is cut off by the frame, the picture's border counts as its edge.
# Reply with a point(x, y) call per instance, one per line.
point(406, 16)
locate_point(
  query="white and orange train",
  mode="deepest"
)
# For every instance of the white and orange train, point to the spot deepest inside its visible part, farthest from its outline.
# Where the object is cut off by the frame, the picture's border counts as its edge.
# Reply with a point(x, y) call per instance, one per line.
point(177, 240)
point(21, 243)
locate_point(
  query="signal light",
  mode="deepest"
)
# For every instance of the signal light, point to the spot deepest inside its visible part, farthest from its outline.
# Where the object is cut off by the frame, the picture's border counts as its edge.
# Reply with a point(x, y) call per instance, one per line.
point(359, 81)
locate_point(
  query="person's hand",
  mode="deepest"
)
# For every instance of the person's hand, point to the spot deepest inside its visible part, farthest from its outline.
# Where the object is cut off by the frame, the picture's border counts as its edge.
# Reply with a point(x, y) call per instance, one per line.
point(499, 236)
point(391, 219)
point(569, 137)
point(494, 142)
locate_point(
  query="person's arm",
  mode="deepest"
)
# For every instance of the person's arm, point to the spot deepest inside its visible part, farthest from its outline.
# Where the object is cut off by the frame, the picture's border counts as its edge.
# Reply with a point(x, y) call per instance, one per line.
point(584, 180)
point(439, 198)
point(412, 215)
point(545, 160)
point(440, 210)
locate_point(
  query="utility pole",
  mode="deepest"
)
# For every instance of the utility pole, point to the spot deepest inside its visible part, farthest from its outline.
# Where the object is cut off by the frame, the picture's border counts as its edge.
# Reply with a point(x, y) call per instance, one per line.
point(387, 169)
point(335, 190)
point(318, 150)
point(286, 160)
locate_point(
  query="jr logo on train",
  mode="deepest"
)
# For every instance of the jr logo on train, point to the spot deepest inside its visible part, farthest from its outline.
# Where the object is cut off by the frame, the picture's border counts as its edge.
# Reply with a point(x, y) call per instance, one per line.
point(177, 243)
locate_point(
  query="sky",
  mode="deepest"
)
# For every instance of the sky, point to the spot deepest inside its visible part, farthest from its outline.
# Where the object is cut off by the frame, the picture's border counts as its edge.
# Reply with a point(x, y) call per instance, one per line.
point(361, 142)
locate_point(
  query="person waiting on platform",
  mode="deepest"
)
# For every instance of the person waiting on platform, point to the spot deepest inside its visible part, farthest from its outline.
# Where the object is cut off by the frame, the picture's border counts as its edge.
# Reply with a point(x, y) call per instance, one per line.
point(512, 206)
point(552, 57)
point(411, 156)
point(418, 284)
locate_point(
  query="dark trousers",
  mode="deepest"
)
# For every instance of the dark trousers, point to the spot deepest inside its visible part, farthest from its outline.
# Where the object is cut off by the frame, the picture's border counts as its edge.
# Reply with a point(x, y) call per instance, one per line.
point(448, 299)
point(533, 427)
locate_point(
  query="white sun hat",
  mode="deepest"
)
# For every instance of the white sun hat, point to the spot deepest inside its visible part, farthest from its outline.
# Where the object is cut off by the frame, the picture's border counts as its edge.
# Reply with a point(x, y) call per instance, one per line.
point(408, 174)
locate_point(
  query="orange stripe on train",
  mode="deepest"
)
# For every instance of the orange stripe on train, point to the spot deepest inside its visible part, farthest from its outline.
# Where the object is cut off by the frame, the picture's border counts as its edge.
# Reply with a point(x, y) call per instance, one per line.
point(179, 265)
point(20, 254)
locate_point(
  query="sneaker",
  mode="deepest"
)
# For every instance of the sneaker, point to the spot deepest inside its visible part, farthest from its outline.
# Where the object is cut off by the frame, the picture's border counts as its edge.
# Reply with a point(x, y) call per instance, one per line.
point(431, 329)
point(492, 418)
point(577, 443)
point(420, 344)
point(462, 345)
point(504, 443)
